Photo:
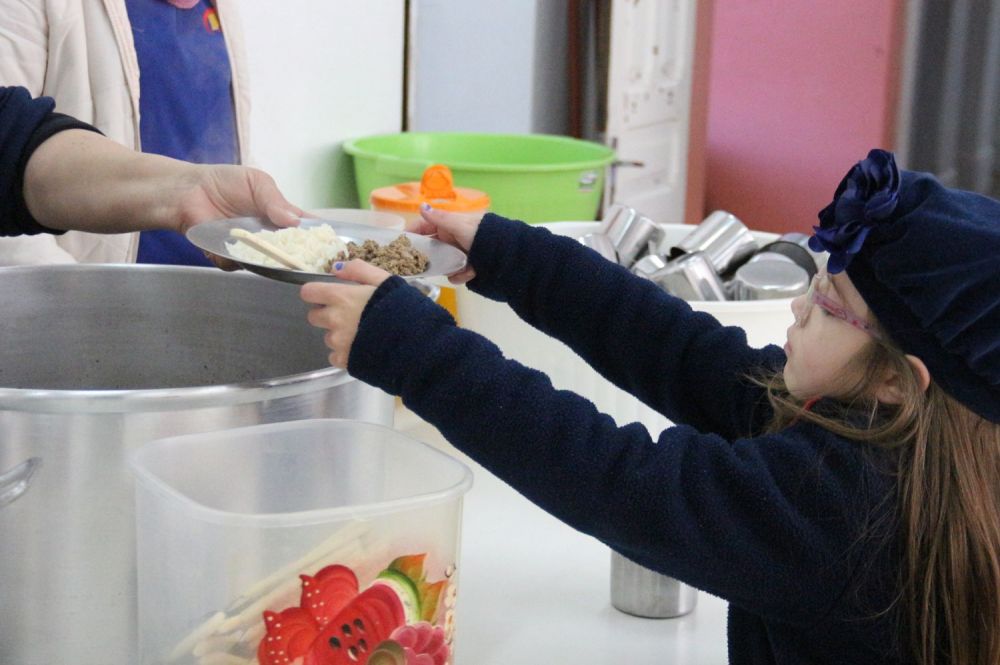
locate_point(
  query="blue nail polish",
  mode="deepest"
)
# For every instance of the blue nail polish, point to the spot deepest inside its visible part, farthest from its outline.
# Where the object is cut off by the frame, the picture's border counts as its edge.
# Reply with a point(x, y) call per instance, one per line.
point(339, 265)
point(425, 206)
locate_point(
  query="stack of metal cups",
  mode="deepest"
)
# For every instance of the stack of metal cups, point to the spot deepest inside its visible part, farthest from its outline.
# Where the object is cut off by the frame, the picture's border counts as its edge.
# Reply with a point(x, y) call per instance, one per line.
point(719, 260)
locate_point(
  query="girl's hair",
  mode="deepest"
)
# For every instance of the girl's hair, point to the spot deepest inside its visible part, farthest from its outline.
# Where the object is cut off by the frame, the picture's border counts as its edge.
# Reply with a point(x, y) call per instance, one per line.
point(948, 477)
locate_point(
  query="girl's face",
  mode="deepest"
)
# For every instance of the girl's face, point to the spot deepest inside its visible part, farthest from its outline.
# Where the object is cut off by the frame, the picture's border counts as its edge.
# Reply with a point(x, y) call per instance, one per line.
point(831, 328)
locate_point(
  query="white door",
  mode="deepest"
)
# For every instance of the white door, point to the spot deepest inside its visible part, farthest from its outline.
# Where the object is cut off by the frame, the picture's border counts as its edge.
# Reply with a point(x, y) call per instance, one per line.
point(649, 101)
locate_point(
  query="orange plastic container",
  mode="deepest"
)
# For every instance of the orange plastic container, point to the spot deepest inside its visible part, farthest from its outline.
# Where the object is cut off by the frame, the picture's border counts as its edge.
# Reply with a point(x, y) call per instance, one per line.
point(436, 188)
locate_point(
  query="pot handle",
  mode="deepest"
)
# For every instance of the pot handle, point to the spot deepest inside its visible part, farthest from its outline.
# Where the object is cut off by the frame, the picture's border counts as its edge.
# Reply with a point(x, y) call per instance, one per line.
point(15, 482)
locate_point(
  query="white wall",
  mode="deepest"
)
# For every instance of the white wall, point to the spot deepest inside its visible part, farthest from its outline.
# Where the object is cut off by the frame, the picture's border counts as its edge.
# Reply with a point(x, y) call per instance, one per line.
point(321, 72)
point(488, 66)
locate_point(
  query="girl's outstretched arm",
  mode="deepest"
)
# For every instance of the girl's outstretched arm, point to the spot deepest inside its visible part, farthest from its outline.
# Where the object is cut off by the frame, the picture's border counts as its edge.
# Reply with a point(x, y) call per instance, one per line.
point(766, 523)
point(681, 363)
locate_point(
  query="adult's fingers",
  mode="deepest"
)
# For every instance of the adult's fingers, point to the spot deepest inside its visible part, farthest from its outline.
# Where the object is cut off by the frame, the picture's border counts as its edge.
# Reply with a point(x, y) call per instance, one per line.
point(269, 200)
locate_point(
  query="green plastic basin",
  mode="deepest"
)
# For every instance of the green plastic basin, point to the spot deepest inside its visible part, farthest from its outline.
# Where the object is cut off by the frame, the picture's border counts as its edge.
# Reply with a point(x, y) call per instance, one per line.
point(531, 177)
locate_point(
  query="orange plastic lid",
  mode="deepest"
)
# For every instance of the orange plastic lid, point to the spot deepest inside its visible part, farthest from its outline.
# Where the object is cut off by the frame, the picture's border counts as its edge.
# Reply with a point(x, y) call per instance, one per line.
point(436, 188)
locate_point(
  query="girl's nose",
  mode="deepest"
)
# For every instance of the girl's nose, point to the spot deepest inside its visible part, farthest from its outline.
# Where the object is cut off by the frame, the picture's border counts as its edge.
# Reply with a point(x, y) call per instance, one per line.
point(799, 308)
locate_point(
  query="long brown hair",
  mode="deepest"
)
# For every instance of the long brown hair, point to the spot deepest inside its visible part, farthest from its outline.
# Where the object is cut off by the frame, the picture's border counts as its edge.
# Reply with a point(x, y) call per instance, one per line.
point(948, 478)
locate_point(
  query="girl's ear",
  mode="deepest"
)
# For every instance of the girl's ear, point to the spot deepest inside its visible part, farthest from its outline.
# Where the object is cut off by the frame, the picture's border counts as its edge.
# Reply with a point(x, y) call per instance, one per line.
point(890, 392)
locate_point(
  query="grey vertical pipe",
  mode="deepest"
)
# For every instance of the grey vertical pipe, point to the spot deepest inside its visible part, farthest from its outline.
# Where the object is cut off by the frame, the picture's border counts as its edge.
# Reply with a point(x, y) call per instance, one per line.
point(981, 96)
point(926, 102)
point(950, 112)
point(908, 84)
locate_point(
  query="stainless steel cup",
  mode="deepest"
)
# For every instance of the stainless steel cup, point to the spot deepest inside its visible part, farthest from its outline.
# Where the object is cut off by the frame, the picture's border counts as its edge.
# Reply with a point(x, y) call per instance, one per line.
point(641, 234)
point(644, 593)
point(723, 238)
point(769, 256)
point(616, 221)
point(648, 266)
point(690, 277)
point(769, 279)
point(631, 233)
point(802, 240)
point(601, 244)
point(794, 252)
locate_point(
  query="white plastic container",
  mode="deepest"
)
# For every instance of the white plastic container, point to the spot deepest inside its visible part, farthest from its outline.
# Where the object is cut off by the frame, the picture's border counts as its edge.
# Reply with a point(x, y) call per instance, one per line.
point(765, 322)
point(229, 521)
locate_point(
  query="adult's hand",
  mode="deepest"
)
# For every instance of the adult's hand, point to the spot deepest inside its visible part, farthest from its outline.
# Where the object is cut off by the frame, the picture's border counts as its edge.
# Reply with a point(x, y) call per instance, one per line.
point(220, 191)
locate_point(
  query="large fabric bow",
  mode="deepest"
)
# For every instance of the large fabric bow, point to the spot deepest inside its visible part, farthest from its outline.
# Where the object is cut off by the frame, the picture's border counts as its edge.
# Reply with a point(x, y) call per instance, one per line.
point(867, 195)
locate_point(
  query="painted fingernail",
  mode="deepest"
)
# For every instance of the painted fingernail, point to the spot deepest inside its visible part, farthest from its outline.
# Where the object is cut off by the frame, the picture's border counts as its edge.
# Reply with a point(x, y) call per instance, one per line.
point(425, 206)
point(339, 265)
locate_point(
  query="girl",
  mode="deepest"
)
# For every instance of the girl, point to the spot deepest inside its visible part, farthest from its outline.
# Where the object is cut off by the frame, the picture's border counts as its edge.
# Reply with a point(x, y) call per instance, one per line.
point(841, 493)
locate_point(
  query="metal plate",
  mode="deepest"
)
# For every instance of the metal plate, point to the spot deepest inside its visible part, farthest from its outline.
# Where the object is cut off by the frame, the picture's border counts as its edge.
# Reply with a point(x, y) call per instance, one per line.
point(443, 259)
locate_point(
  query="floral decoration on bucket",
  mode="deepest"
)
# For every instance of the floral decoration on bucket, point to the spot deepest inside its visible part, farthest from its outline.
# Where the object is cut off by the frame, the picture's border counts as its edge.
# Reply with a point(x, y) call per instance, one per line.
point(867, 195)
point(399, 619)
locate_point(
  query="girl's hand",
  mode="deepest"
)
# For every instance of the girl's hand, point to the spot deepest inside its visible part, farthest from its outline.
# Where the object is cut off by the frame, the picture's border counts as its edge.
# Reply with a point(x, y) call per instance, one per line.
point(453, 228)
point(340, 305)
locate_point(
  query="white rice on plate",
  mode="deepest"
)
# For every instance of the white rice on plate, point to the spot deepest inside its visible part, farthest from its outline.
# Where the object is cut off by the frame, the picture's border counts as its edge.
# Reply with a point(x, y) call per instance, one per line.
point(317, 247)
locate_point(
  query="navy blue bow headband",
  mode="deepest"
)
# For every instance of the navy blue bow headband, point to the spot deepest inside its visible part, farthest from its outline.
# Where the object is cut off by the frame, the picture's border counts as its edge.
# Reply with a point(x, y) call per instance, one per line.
point(926, 259)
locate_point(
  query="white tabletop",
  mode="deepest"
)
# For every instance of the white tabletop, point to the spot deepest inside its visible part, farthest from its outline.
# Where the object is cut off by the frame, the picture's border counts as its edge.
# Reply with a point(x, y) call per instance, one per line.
point(533, 590)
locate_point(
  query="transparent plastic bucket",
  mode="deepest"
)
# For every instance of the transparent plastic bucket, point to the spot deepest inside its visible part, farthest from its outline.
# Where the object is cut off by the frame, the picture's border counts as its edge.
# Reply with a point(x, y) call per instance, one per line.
point(322, 539)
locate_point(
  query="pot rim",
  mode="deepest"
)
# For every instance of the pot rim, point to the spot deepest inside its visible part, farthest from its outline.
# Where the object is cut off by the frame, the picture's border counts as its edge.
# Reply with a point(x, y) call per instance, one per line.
point(168, 399)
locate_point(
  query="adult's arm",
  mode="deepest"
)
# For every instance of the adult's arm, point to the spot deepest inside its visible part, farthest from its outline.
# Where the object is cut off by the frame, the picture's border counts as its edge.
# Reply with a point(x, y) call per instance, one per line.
point(82, 181)
point(24, 60)
point(56, 176)
point(25, 123)
point(24, 57)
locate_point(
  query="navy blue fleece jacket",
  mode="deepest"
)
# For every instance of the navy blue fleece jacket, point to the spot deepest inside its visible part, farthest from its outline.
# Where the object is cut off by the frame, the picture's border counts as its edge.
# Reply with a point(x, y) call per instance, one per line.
point(793, 528)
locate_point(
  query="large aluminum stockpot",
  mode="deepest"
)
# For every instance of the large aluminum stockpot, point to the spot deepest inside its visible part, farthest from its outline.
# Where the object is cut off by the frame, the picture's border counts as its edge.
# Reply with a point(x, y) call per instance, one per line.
point(95, 360)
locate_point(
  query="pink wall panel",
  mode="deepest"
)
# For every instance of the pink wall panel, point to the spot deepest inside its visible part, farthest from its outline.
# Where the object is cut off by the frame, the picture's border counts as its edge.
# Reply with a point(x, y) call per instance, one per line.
point(798, 92)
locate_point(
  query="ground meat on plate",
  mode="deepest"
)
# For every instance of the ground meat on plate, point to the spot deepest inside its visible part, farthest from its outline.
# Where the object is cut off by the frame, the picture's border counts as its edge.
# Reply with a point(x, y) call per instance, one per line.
point(399, 257)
